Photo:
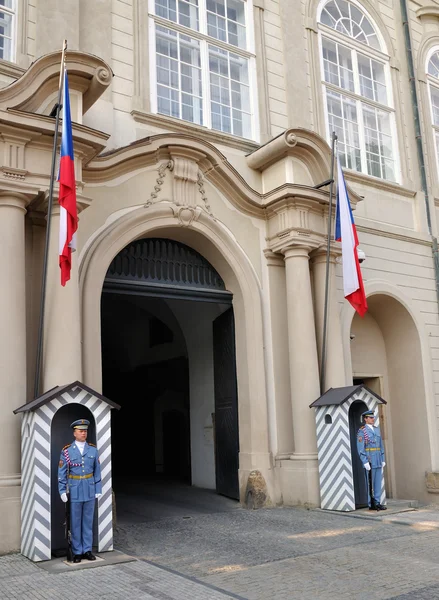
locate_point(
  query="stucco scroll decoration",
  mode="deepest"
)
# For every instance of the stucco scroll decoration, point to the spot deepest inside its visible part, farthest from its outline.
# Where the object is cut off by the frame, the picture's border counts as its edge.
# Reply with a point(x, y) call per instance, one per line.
point(200, 183)
point(169, 164)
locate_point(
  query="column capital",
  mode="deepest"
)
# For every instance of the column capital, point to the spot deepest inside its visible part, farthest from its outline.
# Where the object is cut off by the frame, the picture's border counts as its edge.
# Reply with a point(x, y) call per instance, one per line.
point(319, 254)
point(274, 259)
point(296, 251)
point(14, 200)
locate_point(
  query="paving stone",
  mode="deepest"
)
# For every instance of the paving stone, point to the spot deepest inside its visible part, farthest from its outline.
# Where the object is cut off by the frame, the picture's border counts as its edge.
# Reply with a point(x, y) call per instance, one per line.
point(279, 554)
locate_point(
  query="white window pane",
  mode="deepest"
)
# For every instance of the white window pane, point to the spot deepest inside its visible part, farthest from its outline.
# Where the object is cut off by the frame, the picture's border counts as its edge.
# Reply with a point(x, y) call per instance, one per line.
point(236, 11)
point(6, 21)
point(226, 21)
point(184, 12)
point(378, 141)
point(433, 65)
point(372, 79)
point(7, 3)
point(349, 20)
point(229, 92)
point(179, 86)
point(337, 63)
point(166, 9)
point(342, 117)
point(434, 96)
point(188, 13)
point(217, 6)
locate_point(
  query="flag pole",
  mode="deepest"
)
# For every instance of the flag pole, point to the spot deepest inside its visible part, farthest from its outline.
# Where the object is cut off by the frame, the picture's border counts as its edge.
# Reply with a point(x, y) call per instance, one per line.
point(55, 113)
point(328, 256)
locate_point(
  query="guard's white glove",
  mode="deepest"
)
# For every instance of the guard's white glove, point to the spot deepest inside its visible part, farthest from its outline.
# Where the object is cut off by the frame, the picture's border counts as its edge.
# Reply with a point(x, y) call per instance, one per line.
point(384, 464)
point(366, 466)
point(98, 495)
point(64, 497)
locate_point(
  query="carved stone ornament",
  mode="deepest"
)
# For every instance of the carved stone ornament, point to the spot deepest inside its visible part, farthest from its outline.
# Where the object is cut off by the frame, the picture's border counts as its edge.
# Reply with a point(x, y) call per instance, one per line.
point(186, 215)
point(200, 183)
point(188, 186)
point(159, 181)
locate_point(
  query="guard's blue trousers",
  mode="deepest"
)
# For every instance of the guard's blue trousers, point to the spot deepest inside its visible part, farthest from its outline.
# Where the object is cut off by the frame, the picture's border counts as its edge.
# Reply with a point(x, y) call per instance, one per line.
point(81, 526)
point(377, 478)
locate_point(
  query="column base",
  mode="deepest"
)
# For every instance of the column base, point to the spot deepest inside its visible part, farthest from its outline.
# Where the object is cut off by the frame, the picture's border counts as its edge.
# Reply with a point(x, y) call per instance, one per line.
point(10, 518)
point(298, 479)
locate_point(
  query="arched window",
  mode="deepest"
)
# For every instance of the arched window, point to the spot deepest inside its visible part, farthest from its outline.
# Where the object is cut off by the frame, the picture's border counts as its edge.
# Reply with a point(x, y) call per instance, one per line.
point(433, 84)
point(358, 101)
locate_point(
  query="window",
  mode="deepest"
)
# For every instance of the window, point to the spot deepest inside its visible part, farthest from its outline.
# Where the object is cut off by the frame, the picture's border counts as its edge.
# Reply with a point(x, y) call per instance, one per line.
point(357, 91)
point(204, 66)
point(7, 29)
point(433, 84)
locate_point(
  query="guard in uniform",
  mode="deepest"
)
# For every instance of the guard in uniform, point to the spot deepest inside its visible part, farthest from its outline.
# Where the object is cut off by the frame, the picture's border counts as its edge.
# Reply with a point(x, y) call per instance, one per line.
point(79, 475)
point(371, 451)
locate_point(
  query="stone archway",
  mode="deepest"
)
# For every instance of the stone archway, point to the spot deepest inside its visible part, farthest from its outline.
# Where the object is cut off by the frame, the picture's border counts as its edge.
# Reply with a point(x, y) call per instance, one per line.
point(386, 348)
point(212, 241)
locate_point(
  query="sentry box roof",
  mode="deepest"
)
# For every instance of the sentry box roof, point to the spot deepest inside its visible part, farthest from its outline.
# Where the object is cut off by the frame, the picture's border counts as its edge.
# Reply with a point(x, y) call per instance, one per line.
point(337, 396)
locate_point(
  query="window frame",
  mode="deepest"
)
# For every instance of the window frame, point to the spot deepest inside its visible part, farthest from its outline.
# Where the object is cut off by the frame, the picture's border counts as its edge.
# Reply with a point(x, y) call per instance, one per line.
point(247, 53)
point(356, 48)
point(13, 12)
point(433, 82)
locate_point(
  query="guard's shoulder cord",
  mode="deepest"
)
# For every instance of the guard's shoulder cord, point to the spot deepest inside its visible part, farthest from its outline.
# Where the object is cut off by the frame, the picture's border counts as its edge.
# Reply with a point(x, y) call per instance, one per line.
point(67, 457)
point(94, 445)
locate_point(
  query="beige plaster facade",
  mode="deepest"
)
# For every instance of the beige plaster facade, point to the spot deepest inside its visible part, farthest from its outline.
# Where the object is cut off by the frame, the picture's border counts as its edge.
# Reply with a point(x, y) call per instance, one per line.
point(249, 207)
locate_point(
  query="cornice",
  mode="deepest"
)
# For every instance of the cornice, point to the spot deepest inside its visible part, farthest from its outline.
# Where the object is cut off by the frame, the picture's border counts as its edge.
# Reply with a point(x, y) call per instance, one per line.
point(380, 184)
point(39, 129)
point(386, 233)
point(164, 122)
point(88, 74)
point(309, 147)
point(11, 69)
point(212, 163)
point(430, 11)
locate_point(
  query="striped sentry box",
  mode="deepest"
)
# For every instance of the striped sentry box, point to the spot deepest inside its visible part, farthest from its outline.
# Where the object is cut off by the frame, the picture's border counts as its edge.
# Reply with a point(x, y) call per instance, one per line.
point(36, 466)
point(334, 444)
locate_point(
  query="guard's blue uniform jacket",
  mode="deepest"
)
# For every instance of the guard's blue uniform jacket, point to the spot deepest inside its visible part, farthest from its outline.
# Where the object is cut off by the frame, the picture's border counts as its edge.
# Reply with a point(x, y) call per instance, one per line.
point(371, 449)
point(80, 477)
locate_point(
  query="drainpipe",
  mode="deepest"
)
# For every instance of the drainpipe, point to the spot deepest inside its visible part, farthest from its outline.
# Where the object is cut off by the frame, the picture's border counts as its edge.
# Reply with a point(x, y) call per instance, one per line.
point(418, 135)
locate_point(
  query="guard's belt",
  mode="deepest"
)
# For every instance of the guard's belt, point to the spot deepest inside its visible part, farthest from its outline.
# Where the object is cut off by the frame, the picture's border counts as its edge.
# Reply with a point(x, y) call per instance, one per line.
point(81, 476)
point(372, 449)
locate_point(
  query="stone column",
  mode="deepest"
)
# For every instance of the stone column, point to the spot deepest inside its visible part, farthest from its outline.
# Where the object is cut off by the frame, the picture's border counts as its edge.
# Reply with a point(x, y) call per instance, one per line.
point(62, 326)
point(299, 474)
point(280, 379)
point(304, 369)
point(12, 362)
point(335, 371)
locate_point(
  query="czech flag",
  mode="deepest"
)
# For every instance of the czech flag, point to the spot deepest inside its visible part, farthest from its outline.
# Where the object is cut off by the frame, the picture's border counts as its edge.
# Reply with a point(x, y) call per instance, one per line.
point(346, 233)
point(68, 222)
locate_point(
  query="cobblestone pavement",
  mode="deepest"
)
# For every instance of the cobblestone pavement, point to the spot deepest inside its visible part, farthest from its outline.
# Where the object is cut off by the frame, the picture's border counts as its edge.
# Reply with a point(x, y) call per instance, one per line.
point(275, 554)
point(288, 554)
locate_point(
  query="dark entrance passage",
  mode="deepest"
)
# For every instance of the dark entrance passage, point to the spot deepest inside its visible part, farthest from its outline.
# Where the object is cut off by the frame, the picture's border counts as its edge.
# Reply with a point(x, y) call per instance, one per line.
point(167, 327)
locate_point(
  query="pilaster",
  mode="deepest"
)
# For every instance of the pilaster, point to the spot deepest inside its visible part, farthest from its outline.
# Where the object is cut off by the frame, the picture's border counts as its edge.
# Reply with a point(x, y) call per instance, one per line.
point(12, 361)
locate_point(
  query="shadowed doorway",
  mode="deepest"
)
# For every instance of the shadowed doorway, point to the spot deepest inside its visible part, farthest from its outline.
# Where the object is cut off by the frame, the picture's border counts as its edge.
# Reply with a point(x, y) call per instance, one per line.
point(166, 362)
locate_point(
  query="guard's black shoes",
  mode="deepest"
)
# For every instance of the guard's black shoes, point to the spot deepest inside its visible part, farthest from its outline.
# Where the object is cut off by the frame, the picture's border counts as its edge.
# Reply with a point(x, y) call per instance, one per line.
point(76, 558)
point(89, 556)
point(381, 507)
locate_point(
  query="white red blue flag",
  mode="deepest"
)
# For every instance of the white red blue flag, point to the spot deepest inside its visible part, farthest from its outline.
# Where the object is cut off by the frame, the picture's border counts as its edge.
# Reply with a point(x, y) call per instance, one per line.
point(68, 222)
point(346, 233)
